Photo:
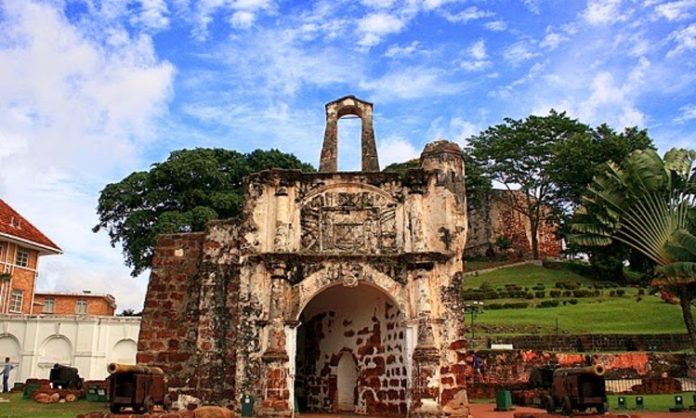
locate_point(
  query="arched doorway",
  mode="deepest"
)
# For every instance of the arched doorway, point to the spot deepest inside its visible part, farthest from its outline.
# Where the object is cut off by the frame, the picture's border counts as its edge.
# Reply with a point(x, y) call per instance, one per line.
point(351, 353)
point(346, 382)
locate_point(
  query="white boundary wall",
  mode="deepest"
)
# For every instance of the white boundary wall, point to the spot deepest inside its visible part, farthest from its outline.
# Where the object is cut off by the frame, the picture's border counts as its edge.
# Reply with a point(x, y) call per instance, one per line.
point(36, 342)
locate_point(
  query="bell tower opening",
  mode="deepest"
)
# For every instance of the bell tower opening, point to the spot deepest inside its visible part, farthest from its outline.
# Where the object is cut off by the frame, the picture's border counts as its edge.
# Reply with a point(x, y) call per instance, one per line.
point(351, 353)
point(348, 146)
point(349, 105)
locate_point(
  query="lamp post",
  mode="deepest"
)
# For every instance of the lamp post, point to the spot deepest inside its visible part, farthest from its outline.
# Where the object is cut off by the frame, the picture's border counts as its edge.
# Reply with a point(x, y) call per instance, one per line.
point(474, 308)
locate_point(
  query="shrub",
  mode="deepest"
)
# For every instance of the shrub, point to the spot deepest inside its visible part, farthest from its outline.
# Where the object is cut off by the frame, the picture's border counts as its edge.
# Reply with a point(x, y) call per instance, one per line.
point(620, 292)
point(567, 293)
point(555, 293)
point(612, 293)
point(573, 301)
point(641, 292)
point(540, 294)
point(494, 306)
point(548, 303)
point(569, 285)
point(529, 295)
point(582, 293)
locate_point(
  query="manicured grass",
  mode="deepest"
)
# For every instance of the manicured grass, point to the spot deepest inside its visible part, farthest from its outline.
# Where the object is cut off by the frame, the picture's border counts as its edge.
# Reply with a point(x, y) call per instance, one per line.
point(657, 403)
point(628, 314)
point(18, 407)
point(613, 316)
point(525, 275)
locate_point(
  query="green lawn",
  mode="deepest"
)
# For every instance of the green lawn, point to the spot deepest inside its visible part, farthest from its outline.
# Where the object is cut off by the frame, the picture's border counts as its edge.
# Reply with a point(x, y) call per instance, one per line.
point(525, 275)
point(18, 407)
point(595, 315)
point(657, 403)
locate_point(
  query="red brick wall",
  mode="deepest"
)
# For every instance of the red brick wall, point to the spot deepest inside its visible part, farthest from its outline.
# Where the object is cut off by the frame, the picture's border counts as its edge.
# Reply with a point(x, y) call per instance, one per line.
point(67, 304)
point(189, 316)
point(23, 278)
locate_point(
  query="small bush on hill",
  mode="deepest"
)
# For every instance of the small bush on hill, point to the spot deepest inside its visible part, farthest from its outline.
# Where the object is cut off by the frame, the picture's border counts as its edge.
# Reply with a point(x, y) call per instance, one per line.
point(548, 303)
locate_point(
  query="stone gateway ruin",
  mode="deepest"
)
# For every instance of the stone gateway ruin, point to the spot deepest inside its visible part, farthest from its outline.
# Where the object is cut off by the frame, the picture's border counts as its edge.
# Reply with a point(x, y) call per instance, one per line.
point(334, 292)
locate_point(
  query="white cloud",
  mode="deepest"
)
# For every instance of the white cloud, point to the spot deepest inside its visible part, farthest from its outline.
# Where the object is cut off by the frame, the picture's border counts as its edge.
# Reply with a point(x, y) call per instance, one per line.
point(75, 113)
point(242, 13)
point(479, 57)
point(153, 14)
point(600, 12)
point(395, 150)
point(518, 53)
point(532, 5)
point(496, 25)
point(468, 14)
point(402, 51)
point(455, 129)
point(378, 4)
point(552, 40)
point(688, 112)
point(373, 27)
point(685, 39)
point(411, 83)
point(676, 10)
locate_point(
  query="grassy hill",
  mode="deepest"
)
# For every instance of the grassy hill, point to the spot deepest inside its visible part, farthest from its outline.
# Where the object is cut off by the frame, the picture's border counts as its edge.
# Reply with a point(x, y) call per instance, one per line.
point(607, 310)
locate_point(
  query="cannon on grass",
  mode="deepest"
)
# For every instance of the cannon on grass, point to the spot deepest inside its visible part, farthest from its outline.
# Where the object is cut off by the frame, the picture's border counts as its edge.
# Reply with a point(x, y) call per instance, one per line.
point(65, 377)
point(576, 389)
point(137, 387)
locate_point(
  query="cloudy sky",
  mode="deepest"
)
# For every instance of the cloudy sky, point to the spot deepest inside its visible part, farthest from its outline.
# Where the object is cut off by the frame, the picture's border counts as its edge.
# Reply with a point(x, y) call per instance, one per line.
point(93, 90)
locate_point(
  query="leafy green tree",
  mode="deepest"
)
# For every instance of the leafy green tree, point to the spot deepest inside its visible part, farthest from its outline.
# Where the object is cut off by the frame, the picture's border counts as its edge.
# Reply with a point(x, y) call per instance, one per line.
point(649, 204)
point(519, 154)
point(180, 194)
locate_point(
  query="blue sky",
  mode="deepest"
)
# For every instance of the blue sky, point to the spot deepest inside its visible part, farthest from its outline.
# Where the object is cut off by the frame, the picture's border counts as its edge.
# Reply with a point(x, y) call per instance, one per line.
point(93, 90)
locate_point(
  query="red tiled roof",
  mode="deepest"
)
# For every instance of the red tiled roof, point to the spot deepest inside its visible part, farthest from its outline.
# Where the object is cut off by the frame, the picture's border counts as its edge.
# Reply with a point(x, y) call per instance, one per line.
point(17, 226)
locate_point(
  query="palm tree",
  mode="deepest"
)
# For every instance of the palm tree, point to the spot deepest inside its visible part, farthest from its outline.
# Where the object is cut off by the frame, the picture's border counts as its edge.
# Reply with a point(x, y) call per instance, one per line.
point(649, 204)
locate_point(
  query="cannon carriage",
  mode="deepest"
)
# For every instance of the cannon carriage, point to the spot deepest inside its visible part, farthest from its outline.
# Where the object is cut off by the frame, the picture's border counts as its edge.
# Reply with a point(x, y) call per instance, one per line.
point(65, 377)
point(137, 387)
point(577, 388)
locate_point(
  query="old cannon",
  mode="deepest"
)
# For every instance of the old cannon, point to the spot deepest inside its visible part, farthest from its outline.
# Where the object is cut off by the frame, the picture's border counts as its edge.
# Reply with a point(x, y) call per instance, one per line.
point(137, 387)
point(577, 388)
point(65, 377)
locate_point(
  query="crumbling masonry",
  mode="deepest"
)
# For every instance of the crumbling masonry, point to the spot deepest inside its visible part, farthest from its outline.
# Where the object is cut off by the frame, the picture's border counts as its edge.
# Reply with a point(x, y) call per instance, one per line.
point(335, 290)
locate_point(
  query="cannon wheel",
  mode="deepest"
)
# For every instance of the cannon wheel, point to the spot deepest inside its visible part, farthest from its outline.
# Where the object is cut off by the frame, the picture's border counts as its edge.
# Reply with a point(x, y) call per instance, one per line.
point(167, 403)
point(149, 404)
point(549, 404)
point(567, 406)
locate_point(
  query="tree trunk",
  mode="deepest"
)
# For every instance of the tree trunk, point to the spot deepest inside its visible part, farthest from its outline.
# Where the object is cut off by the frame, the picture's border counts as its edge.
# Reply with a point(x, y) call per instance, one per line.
point(685, 302)
point(534, 227)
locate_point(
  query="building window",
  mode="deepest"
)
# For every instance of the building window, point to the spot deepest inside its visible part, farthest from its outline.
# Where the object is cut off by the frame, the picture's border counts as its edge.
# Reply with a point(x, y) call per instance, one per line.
point(81, 307)
point(16, 300)
point(22, 257)
point(49, 305)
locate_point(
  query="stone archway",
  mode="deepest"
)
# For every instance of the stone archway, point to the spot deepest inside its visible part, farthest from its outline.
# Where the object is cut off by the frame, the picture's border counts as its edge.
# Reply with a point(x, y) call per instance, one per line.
point(352, 353)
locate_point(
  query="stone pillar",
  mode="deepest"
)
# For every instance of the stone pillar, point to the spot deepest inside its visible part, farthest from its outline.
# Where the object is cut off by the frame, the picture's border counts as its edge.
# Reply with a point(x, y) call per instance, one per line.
point(349, 105)
point(426, 356)
point(276, 400)
point(281, 239)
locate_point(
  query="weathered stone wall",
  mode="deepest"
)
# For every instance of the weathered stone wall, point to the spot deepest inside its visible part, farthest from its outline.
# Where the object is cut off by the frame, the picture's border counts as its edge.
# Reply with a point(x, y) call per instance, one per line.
point(495, 217)
point(513, 366)
point(224, 306)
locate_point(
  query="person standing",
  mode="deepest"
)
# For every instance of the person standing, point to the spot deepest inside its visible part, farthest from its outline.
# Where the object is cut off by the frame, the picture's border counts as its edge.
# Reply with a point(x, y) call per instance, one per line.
point(6, 375)
point(478, 365)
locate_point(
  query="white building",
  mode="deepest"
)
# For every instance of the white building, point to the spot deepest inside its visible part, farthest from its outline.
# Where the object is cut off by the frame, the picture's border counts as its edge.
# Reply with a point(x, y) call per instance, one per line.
point(35, 343)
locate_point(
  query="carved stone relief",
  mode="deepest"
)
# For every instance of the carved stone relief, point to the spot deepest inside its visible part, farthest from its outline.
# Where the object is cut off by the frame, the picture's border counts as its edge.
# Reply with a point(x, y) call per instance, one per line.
point(350, 223)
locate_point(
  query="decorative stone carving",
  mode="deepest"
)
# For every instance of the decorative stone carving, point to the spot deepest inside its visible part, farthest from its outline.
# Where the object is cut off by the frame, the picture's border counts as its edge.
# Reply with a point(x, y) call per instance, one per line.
point(354, 223)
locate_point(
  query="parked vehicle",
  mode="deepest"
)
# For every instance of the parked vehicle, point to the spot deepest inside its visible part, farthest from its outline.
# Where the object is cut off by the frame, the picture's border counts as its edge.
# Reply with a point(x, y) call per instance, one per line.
point(137, 387)
point(577, 389)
